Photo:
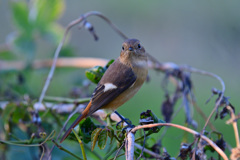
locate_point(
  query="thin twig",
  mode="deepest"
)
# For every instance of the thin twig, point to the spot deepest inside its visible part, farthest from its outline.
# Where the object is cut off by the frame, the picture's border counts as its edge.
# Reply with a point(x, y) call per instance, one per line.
point(119, 150)
point(201, 113)
point(66, 100)
point(237, 117)
point(96, 154)
point(51, 72)
point(191, 69)
point(26, 143)
point(138, 139)
point(43, 151)
point(155, 155)
point(235, 128)
point(110, 153)
point(117, 156)
point(114, 27)
point(65, 150)
point(143, 145)
point(81, 145)
point(211, 143)
point(64, 126)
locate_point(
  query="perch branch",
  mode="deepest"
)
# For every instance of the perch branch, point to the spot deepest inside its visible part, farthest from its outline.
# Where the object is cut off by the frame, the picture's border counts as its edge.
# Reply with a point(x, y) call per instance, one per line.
point(129, 145)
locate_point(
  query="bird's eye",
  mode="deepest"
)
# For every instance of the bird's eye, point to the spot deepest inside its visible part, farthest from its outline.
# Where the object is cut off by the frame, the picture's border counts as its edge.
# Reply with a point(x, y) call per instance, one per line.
point(139, 46)
point(122, 48)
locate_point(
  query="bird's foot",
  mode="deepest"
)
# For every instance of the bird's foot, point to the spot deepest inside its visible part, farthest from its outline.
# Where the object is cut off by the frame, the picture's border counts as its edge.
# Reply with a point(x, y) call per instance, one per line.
point(127, 121)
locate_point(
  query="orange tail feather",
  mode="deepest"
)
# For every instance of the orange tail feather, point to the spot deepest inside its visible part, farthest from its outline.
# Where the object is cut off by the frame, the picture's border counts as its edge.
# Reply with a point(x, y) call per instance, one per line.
point(82, 116)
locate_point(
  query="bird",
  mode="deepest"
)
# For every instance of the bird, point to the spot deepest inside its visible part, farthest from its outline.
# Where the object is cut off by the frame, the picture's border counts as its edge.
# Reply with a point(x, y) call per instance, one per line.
point(120, 82)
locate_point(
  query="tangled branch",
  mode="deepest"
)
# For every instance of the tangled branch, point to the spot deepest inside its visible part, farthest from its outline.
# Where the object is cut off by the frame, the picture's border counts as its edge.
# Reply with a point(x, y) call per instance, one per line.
point(131, 138)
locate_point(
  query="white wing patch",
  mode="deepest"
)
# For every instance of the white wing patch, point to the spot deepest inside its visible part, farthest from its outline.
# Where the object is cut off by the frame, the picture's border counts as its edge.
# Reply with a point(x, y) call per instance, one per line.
point(132, 85)
point(109, 86)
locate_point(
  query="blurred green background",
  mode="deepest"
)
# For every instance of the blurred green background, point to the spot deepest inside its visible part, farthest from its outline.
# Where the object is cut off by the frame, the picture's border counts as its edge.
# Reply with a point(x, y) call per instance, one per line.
point(202, 34)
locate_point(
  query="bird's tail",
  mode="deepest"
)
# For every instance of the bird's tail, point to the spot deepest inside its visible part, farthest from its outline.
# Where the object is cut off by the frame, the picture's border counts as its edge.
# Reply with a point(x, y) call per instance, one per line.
point(83, 115)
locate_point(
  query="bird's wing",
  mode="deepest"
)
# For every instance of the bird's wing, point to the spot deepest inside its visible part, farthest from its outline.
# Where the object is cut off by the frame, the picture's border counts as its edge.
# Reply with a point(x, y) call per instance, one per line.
point(116, 80)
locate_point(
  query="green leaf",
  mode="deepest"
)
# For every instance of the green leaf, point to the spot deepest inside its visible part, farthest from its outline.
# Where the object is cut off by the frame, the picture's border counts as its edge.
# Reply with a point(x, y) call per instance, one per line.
point(109, 63)
point(8, 111)
point(15, 112)
point(67, 51)
point(53, 33)
point(48, 11)
point(20, 14)
point(95, 74)
point(19, 113)
point(110, 133)
point(7, 55)
point(86, 127)
point(102, 139)
point(94, 137)
point(26, 45)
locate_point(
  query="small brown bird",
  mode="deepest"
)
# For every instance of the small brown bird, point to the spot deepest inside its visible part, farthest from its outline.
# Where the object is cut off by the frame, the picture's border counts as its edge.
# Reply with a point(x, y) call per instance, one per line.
point(120, 82)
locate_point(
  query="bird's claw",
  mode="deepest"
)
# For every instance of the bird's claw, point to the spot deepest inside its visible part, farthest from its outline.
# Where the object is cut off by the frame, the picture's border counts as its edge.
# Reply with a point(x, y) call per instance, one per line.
point(127, 121)
point(128, 126)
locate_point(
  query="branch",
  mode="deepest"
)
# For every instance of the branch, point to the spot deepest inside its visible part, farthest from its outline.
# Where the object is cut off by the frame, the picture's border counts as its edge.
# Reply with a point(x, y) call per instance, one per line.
point(130, 138)
point(65, 150)
point(235, 128)
point(76, 62)
point(129, 145)
point(155, 155)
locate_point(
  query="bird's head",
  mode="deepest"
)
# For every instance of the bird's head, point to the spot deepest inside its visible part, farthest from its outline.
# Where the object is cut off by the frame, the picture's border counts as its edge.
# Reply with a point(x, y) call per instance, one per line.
point(132, 51)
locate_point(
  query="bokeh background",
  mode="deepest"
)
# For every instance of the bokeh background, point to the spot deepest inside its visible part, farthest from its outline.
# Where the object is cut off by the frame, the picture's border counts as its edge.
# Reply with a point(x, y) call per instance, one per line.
point(202, 34)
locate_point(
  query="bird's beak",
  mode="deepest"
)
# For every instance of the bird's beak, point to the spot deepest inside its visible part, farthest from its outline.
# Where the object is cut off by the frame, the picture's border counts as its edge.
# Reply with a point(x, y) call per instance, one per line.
point(130, 48)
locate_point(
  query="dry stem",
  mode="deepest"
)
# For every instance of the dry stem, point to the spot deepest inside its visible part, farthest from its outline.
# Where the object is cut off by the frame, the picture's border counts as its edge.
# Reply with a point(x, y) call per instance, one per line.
point(211, 143)
point(83, 62)
point(235, 128)
point(155, 155)
point(191, 69)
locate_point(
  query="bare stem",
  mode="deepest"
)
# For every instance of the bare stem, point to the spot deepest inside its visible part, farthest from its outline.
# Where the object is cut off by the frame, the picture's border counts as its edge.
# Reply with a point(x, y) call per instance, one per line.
point(203, 115)
point(66, 100)
point(114, 27)
point(69, 117)
point(235, 128)
point(76, 62)
point(65, 150)
point(211, 143)
point(129, 145)
point(81, 145)
point(191, 69)
point(155, 155)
